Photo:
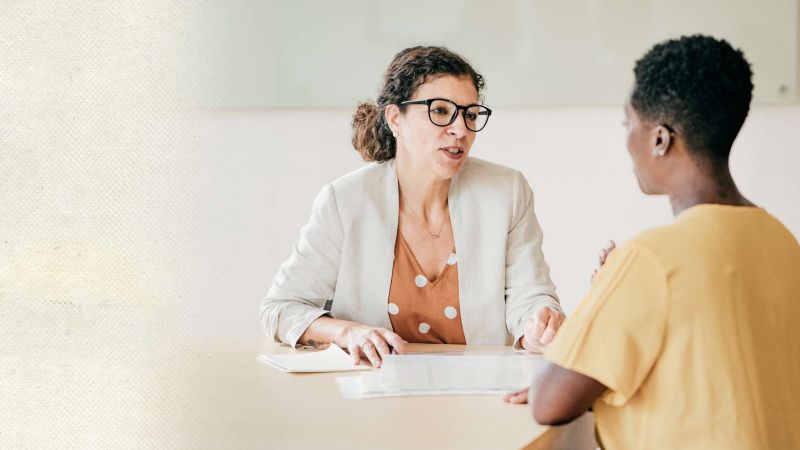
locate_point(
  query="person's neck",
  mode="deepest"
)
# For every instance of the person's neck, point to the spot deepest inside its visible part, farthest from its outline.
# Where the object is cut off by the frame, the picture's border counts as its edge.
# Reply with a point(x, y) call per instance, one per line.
point(420, 189)
point(702, 183)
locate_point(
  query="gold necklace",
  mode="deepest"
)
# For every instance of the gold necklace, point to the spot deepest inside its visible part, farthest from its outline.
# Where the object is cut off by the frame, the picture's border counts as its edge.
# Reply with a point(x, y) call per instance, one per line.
point(422, 223)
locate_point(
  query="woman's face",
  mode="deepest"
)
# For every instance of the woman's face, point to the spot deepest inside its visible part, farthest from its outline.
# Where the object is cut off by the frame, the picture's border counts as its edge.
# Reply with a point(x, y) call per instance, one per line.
point(640, 142)
point(425, 146)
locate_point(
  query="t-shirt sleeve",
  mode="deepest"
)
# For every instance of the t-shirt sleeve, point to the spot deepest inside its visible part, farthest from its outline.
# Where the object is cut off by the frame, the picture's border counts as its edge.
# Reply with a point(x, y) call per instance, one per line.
point(616, 334)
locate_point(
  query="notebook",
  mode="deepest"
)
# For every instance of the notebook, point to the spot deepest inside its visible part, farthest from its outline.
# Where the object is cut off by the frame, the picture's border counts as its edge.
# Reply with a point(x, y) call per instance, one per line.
point(332, 359)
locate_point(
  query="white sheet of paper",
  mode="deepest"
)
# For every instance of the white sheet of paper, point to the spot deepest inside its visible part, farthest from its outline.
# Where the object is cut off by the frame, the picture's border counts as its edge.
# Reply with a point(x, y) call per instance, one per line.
point(332, 359)
point(467, 373)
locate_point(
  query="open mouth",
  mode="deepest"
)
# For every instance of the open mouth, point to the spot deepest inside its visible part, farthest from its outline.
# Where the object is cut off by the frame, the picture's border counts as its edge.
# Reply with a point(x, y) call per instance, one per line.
point(453, 152)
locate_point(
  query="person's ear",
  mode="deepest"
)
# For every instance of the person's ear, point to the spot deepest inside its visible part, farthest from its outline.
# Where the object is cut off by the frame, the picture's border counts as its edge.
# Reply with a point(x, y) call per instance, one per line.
point(662, 140)
point(392, 115)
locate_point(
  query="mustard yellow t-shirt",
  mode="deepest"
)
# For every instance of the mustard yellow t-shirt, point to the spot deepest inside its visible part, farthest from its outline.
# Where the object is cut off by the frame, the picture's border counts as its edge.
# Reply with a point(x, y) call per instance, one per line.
point(695, 330)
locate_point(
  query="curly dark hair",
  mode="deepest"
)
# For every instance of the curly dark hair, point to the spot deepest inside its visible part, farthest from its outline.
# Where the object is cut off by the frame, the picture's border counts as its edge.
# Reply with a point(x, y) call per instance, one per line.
point(410, 68)
point(698, 85)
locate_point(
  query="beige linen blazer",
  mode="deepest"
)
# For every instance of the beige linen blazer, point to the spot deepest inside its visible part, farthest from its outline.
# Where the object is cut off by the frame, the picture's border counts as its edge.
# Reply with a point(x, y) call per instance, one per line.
point(345, 255)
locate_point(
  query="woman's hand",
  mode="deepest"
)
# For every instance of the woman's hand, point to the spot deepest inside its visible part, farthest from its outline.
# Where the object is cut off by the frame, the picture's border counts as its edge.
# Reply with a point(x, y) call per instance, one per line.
point(519, 397)
point(604, 255)
point(370, 343)
point(541, 329)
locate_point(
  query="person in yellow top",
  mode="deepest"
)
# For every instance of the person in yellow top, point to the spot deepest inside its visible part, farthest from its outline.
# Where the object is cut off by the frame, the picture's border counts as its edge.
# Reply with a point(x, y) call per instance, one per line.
point(689, 337)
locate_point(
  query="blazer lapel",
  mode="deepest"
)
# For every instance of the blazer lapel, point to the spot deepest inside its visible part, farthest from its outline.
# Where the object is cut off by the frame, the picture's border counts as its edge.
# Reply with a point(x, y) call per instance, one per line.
point(464, 233)
point(385, 236)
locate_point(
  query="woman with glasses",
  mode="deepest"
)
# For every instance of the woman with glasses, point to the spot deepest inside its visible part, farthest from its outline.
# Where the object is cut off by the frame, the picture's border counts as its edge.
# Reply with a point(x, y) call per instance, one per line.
point(425, 244)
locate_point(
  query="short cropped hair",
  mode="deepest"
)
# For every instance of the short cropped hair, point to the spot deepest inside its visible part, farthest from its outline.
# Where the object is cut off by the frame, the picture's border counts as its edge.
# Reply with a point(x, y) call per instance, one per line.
point(698, 85)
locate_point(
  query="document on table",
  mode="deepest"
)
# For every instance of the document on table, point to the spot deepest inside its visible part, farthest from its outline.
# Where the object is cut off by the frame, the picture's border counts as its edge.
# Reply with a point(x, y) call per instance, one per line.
point(462, 373)
point(332, 359)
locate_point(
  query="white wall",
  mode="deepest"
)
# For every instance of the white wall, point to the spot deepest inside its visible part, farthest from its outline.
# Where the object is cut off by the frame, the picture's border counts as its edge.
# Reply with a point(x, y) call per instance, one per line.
point(271, 53)
point(262, 169)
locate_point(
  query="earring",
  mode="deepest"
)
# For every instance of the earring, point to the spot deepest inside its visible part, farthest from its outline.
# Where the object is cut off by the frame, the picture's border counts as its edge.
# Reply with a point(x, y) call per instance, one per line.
point(661, 152)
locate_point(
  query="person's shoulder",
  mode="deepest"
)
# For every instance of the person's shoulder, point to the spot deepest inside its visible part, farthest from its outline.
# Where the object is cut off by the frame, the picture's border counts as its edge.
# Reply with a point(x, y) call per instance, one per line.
point(365, 185)
point(654, 238)
point(660, 242)
point(676, 244)
point(780, 231)
point(362, 179)
point(695, 228)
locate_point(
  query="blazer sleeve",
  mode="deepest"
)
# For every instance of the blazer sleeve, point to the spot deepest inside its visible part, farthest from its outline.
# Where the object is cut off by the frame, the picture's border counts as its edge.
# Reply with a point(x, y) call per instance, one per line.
point(308, 278)
point(528, 283)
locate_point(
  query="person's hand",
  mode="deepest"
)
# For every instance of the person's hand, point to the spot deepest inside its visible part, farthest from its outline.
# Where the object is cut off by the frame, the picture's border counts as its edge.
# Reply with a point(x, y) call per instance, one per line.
point(518, 398)
point(541, 329)
point(603, 256)
point(370, 343)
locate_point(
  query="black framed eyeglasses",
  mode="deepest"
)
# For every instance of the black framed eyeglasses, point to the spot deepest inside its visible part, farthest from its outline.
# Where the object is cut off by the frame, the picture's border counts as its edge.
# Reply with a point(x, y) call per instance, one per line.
point(442, 112)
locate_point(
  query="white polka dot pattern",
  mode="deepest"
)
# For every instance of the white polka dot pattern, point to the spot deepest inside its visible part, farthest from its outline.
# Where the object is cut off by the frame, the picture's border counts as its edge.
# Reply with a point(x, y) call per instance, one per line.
point(452, 259)
point(424, 328)
point(420, 281)
point(394, 309)
point(450, 312)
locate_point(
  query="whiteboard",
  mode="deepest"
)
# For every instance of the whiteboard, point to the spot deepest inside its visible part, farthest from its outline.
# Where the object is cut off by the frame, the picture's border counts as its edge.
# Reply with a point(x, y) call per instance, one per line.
point(331, 54)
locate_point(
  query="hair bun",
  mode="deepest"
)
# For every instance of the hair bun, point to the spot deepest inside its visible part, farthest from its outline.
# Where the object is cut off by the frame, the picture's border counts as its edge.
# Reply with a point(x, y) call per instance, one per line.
point(370, 139)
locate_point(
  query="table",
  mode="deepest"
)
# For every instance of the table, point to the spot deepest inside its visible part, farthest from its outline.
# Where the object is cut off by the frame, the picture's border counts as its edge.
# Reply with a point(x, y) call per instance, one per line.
point(228, 399)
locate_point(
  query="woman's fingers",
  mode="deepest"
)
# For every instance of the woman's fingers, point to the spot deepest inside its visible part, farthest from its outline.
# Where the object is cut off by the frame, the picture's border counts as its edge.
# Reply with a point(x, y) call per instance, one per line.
point(530, 340)
point(517, 397)
point(541, 330)
point(548, 333)
point(534, 329)
point(397, 343)
point(373, 344)
point(540, 318)
point(607, 251)
point(552, 327)
point(355, 353)
point(381, 346)
point(368, 348)
point(604, 256)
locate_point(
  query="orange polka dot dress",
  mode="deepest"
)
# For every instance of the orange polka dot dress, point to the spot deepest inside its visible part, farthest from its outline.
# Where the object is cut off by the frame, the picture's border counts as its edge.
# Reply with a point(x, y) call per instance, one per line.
point(422, 310)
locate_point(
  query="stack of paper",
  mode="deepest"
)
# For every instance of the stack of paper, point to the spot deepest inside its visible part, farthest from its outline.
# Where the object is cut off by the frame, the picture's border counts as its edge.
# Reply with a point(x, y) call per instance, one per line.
point(332, 359)
point(445, 374)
